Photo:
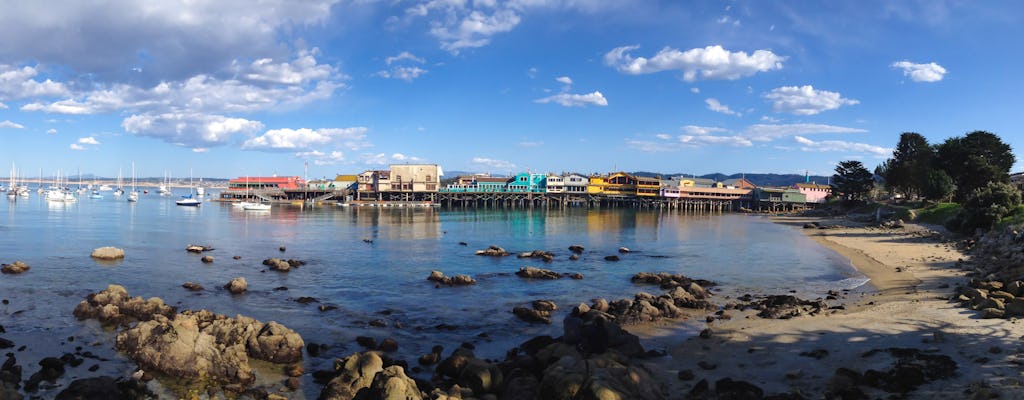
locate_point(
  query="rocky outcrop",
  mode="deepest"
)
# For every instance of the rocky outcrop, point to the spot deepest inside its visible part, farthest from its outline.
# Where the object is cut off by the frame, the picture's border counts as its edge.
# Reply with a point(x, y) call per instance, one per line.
point(108, 253)
point(457, 280)
point(493, 251)
point(547, 256)
point(105, 387)
point(786, 307)
point(352, 374)
point(237, 286)
point(194, 345)
point(682, 292)
point(113, 305)
point(576, 248)
point(278, 264)
point(540, 273)
point(14, 268)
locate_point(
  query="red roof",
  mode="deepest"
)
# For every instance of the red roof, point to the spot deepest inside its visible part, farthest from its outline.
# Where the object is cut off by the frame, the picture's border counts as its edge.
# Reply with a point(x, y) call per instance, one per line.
point(283, 182)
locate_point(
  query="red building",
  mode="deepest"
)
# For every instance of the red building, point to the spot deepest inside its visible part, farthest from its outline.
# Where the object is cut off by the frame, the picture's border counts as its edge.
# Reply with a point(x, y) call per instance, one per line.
point(244, 183)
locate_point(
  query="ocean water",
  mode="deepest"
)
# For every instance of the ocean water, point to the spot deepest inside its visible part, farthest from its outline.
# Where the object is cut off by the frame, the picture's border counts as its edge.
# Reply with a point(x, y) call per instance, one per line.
point(372, 264)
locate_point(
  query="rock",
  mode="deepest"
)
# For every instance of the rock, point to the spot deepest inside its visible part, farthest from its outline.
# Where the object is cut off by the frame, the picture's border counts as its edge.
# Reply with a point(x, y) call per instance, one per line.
point(196, 248)
point(354, 373)
point(104, 387)
point(429, 358)
point(493, 251)
point(578, 249)
point(207, 259)
point(292, 383)
point(278, 264)
point(811, 225)
point(108, 253)
point(388, 345)
point(574, 257)
point(281, 249)
point(727, 388)
point(531, 315)
point(457, 280)
point(537, 273)
point(16, 267)
point(598, 377)
point(685, 375)
point(592, 332)
point(6, 343)
point(392, 384)
point(481, 376)
point(236, 257)
point(611, 258)
point(195, 287)
point(237, 286)
point(787, 306)
point(114, 306)
point(366, 342)
point(623, 250)
point(294, 370)
point(544, 305)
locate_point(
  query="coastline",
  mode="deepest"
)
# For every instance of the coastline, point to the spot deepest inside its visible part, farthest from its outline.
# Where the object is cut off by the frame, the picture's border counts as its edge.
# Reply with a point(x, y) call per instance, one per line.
point(913, 271)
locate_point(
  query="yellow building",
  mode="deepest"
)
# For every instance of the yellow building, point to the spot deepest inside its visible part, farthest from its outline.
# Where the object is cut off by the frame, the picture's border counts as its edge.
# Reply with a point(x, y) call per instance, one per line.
point(648, 187)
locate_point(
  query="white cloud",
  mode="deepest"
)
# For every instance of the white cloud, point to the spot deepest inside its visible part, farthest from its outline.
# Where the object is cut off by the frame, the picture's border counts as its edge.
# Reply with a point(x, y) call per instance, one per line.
point(769, 132)
point(930, 72)
point(461, 31)
point(770, 119)
point(190, 129)
point(805, 100)
point(51, 131)
point(838, 145)
point(715, 106)
point(565, 80)
point(374, 159)
point(76, 146)
point(200, 150)
point(2, 106)
point(405, 55)
point(399, 157)
point(663, 136)
point(287, 139)
point(574, 100)
point(529, 144)
point(11, 125)
point(88, 140)
point(700, 140)
point(303, 69)
point(711, 62)
point(407, 74)
point(18, 83)
point(123, 40)
point(695, 90)
point(532, 72)
point(321, 158)
point(702, 130)
point(492, 164)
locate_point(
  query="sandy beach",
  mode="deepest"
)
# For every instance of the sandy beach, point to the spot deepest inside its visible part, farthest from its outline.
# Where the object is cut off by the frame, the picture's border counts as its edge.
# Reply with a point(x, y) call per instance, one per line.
point(913, 271)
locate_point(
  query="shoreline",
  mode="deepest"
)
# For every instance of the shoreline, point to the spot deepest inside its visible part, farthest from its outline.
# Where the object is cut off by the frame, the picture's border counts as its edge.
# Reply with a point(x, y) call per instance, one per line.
point(913, 271)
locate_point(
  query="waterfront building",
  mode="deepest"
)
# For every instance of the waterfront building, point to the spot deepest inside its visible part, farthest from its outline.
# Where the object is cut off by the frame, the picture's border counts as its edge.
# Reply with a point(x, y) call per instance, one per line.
point(566, 183)
point(616, 184)
point(526, 182)
point(697, 182)
point(244, 183)
point(814, 192)
point(648, 187)
point(419, 178)
point(739, 183)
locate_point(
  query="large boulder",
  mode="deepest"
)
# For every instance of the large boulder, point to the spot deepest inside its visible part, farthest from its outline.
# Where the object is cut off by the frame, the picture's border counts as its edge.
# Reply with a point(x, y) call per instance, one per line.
point(537, 273)
point(104, 387)
point(237, 286)
point(457, 280)
point(493, 251)
point(353, 373)
point(14, 268)
point(608, 376)
point(108, 253)
point(113, 305)
point(392, 384)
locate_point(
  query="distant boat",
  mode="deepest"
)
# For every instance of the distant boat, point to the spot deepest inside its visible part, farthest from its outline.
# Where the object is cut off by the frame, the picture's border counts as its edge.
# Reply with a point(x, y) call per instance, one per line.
point(96, 195)
point(119, 191)
point(256, 207)
point(163, 190)
point(134, 195)
point(105, 188)
point(189, 200)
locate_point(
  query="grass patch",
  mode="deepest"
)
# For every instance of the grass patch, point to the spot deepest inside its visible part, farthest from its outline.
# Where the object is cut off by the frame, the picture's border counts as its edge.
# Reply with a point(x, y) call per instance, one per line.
point(1016, 217)
point(938, 213)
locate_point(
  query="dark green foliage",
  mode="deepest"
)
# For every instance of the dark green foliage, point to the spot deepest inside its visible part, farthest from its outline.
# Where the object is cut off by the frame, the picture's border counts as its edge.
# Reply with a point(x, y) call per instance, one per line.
point(907, 171)
point(852, 182)
point(937, 186)
point(985, 206)
point(975, 160)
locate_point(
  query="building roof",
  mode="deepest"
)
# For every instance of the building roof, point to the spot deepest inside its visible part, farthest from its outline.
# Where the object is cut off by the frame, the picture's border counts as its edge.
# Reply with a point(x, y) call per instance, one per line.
point(811, 186)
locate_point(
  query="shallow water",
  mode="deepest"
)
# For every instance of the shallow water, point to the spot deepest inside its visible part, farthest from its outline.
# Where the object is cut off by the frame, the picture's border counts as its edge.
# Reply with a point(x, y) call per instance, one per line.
point(383, 279)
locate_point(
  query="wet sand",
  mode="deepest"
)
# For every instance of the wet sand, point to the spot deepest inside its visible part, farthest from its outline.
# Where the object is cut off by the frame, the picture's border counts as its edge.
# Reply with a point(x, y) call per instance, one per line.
point(913, 271)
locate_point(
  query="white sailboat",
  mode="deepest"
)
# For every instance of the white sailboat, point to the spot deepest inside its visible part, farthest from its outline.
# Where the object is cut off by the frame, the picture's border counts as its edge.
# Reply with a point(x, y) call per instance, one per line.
point(12, 186)
point(164, 190)
point(189, 200)
point(133, 196)
point(119, 191)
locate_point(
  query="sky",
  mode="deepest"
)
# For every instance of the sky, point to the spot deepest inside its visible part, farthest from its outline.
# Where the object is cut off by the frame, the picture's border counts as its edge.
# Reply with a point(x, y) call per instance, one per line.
point(227, 88)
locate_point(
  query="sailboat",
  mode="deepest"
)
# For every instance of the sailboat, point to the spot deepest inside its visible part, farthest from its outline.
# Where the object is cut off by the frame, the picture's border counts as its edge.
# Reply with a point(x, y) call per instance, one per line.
point(163, 190)
point(133, 196)
point(12, 186)
point(119, 191)
point(189, 200)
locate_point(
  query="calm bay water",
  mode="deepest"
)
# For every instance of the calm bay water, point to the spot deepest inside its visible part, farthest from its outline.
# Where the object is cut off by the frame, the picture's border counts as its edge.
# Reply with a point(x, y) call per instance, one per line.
point(384, 279)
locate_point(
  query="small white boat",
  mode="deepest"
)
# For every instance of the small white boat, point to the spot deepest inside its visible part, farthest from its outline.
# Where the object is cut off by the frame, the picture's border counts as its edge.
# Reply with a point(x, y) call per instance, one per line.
point(257, 207)
point(96, 195)
point(133, 196)
point(105, 188)
point(188, 201)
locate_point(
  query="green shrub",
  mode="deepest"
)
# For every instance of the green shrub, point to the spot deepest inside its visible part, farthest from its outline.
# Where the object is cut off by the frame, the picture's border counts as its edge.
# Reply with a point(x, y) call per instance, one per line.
point(938, 214)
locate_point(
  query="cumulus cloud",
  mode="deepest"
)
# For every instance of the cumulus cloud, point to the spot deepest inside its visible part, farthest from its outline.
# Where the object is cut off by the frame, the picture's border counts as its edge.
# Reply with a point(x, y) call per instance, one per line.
point(407, 74)
point(51, 131)
point(321, 158)
point(11, 125)
point(461, 31)
point(2, 106)
point(492, 164)
point(702, 130)
point(190, 129)
point(20, 83)
point(565, 80)
point(805, 100)
point(287, 139)
point(769, 132)
point(200, 150)
point(399, 157)
point(404, 56)
point(88, 140)
point(930, 72)
point(694, 137)
point(708, 63)
point(303, 69)
point(575, 100)
point(838, 145)
point(717, 107)
point(76, 146)
point(127, 40)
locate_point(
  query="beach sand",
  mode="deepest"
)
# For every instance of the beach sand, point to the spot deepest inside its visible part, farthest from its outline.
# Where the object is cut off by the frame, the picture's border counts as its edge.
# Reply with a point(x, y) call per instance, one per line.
point(914, 273)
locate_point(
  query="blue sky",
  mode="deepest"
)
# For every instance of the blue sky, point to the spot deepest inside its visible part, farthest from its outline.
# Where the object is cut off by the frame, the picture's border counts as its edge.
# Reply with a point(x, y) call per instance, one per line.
point(235, 87)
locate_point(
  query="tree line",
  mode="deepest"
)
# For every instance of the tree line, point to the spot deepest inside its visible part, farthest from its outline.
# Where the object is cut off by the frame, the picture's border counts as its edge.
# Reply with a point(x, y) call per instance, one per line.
point(972, 170)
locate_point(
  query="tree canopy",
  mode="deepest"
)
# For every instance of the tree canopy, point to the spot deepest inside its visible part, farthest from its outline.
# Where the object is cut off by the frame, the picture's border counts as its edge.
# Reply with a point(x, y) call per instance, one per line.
point(907, 171)
point(975, 160)
point(852, 182)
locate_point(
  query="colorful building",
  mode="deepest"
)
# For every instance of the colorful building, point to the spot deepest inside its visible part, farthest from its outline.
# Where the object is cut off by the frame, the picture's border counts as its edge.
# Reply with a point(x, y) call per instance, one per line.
point(526, 182)
point(266, 182)
point(814, 193)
